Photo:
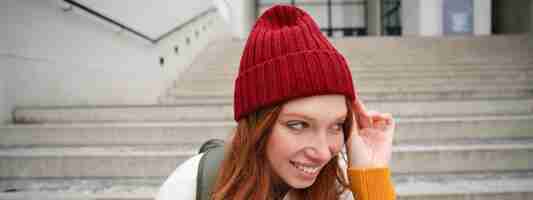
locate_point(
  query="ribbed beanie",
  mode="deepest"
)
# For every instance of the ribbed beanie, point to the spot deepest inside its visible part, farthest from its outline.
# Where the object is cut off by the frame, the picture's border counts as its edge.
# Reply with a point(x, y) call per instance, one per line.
point(287, 57)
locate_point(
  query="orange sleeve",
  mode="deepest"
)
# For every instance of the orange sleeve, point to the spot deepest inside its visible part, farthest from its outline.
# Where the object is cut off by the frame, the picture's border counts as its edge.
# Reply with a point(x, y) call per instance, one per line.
point(371, 183)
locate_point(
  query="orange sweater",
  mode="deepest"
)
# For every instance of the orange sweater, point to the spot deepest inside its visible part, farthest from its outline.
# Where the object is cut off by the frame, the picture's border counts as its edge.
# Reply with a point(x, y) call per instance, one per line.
point(371, 183)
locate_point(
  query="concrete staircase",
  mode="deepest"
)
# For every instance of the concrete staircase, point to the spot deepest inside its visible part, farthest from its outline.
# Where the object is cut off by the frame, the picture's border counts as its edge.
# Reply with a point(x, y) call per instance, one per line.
point(464, 107)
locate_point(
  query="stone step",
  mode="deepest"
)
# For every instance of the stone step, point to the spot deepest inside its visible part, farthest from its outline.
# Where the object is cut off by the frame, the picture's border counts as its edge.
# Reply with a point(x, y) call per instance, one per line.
point(132, 113)
point(389, 71)
point(489, 186)
point(410, 77)
point(466, 155)
point(356, 58)
point(173, 133)
point(93, 161)
point(448, 156)
point(221, 87)
point(408, 129)
point(232, 62)
point(401, 50)
point(80, 188)
point(398, 73)
point(466, 127)
point(214, 87)
point(495, 42)
point(224, 112)
point(181, 96)
point(519, 41)
point(430, 69)
point(437, 50)
point(383, 81)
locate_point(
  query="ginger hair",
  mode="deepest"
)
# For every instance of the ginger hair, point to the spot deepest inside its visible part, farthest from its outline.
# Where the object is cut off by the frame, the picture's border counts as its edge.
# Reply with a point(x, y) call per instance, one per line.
point(245, 172)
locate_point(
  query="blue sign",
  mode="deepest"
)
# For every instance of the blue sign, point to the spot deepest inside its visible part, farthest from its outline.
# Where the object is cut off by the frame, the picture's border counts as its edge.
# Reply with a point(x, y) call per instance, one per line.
point(458, 17)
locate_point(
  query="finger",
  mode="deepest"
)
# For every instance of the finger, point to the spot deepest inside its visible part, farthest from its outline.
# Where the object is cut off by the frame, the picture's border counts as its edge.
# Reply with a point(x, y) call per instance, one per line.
point(386, 115)
point(361, 114)
point(373, 113)
point(364, 121)
point(375, 116)
point(360, 107)
point(379, 125)
point(388, 118)
point(378, 120)
point(389, 125)
point(383, 122)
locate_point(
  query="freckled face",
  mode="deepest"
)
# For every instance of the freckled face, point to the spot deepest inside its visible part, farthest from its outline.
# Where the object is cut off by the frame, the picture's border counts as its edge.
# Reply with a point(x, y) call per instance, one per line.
point(306, 135)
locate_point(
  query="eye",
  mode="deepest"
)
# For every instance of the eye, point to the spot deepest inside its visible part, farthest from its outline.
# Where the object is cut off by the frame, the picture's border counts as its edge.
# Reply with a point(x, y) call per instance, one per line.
point(339, 127)
point(297, 125)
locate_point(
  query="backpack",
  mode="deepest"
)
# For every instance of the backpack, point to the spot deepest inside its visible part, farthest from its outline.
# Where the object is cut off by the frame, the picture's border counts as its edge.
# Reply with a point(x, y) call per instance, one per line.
point(208, 167)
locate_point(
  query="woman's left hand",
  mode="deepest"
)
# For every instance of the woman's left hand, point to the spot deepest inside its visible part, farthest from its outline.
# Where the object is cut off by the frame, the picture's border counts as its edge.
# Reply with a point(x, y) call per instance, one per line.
point(370, 144)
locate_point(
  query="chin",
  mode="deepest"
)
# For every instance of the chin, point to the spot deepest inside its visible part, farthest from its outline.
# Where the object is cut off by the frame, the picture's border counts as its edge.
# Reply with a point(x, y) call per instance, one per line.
point(301, 184)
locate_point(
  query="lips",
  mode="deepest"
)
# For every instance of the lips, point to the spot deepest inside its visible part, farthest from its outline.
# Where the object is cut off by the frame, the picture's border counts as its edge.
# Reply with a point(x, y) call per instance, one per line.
point(306, 168)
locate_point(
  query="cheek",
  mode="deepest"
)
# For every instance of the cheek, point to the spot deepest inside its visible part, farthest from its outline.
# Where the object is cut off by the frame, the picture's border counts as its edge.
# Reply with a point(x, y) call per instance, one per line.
point(282, 144)
point(336, 143)
point(281, 148)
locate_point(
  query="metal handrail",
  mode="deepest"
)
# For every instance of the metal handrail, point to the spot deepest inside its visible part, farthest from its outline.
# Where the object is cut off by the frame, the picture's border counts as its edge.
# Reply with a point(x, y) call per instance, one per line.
point(182, 25)
point(138, 33)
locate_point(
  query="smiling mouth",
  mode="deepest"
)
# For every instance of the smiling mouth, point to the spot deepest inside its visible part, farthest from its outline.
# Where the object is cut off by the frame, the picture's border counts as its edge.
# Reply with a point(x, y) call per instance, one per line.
point(307, 169)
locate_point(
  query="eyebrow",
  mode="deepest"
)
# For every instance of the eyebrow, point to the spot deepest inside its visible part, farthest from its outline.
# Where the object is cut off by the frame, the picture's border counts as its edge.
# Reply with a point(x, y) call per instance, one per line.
point(341, 118)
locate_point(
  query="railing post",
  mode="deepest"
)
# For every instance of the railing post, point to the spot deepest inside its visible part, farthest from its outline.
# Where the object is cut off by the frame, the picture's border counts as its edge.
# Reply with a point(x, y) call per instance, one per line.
point(330, 19)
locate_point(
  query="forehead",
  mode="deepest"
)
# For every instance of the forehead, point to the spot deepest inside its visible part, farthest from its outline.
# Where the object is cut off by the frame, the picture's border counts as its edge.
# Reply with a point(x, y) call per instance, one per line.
point(323, 106)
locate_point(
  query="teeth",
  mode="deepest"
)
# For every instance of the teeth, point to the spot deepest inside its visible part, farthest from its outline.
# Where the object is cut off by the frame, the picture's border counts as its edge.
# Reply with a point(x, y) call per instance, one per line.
point(306, 169)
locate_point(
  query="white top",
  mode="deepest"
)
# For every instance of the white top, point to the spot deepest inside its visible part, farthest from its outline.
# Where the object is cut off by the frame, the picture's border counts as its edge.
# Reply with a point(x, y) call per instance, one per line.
point(181, 184)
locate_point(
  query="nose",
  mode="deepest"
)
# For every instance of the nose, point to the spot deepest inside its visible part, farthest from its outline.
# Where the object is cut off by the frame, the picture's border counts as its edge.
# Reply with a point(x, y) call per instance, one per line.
point(319, 149)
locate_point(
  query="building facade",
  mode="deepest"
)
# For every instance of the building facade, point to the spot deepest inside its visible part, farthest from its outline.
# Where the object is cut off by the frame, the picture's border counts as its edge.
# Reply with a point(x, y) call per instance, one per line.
point(345, 18)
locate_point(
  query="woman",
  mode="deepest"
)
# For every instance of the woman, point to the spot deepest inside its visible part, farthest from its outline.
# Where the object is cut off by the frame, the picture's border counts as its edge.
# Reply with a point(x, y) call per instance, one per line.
point(296, 109)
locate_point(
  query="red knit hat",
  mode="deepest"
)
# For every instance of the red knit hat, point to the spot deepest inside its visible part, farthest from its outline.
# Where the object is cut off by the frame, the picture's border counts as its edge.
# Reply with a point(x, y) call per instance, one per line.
point(286, 57)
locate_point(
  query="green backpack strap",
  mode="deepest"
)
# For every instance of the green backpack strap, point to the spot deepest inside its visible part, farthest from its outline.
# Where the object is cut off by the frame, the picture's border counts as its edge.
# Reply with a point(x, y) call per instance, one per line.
point(208, 171)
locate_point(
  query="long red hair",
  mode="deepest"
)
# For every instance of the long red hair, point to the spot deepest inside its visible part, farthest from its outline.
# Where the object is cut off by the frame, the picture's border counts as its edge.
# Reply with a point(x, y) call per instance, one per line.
point(245, 172)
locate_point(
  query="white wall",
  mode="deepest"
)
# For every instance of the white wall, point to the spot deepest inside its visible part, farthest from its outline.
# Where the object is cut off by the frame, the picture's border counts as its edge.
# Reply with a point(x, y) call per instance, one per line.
point(242, 16)
point(67, 58)
point(431, 17)
point(411, 17)
point(482, 17)
point(374, 17)
point(6, 104)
